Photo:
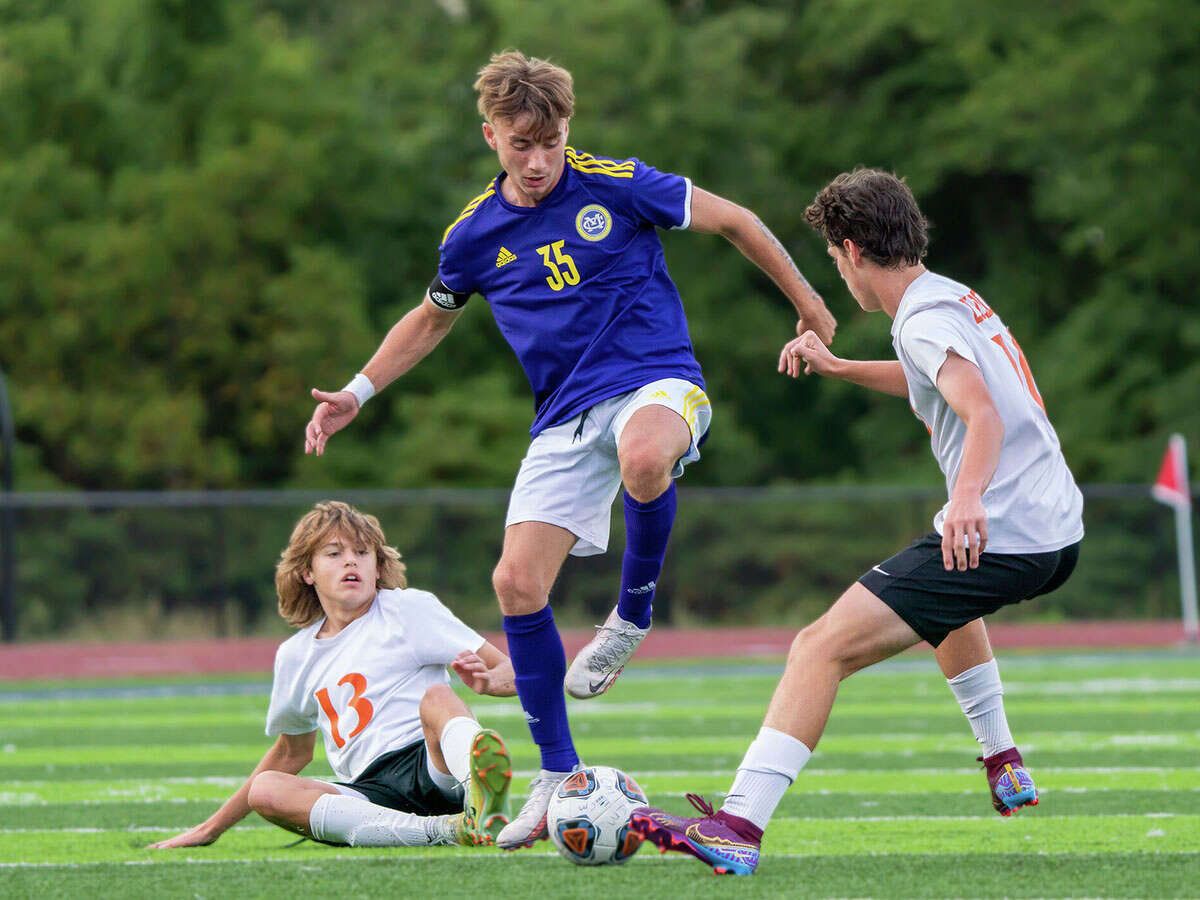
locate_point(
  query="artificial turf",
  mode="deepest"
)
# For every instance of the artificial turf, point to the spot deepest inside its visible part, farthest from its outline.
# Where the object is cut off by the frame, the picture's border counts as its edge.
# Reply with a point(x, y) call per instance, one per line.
point(891, 805)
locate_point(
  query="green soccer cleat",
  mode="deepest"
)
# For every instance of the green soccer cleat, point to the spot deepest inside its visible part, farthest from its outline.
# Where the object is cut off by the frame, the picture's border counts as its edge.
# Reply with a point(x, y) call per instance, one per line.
point(485, 806)
point(455, 830)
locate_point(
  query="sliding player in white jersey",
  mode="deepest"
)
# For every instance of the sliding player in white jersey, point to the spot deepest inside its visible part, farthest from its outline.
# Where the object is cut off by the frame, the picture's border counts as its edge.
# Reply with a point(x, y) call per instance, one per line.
point(368, 669)
point(1010, 492)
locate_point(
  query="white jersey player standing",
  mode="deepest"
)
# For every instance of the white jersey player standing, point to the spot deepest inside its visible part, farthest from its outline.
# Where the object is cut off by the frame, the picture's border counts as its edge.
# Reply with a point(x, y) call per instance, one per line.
point(1010, 494)
point(368, 670)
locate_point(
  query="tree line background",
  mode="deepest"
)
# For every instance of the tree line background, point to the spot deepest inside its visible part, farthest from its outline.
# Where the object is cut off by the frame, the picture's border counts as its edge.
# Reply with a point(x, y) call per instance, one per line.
point(208, 207)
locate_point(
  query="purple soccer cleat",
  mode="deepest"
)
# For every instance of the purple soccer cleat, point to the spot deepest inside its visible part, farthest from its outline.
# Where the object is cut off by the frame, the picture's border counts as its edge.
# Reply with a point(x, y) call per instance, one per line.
point(726, 842)
point(1012, 786)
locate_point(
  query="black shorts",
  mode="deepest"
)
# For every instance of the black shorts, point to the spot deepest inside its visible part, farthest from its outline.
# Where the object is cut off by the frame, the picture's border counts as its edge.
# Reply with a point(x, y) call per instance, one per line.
point(400, 780)
point(935, 602)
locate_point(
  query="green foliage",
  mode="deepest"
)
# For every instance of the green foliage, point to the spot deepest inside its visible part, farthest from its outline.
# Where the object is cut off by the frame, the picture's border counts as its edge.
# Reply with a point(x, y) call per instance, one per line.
point(207, 208)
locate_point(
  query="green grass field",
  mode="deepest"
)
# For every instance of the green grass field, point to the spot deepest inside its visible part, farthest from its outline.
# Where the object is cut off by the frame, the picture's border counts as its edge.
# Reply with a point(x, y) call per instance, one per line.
point(891, 805)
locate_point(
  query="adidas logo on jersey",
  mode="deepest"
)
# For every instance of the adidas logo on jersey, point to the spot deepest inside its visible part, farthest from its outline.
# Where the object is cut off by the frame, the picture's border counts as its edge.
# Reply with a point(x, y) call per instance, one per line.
point(504, 257)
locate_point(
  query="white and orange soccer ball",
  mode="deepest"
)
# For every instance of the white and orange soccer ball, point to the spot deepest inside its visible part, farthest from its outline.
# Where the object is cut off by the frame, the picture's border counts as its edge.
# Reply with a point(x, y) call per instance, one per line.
point(589, 813)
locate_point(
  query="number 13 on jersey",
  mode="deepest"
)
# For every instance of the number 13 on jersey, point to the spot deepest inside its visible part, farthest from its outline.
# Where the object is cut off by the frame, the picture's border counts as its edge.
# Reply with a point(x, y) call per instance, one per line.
point(358, 703)
point(562, 267)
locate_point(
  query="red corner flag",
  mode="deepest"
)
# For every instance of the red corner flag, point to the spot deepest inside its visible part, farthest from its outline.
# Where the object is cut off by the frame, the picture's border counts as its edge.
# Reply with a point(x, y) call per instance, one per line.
point(1171, 486)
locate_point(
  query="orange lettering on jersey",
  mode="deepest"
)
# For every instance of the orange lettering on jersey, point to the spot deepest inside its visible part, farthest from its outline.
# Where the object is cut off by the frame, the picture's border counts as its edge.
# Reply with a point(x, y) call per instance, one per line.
point(358, 703)
point(1020, 366)
point(979, 308)
point(332, 716)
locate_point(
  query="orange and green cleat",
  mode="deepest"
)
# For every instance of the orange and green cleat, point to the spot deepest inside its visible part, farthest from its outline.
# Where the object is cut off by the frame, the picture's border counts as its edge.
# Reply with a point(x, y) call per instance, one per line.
point(485, 806)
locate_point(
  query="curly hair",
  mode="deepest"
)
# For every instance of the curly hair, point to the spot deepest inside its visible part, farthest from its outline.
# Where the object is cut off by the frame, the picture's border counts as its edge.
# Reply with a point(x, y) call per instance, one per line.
point(877, 211)
point(298, 601)
point(512, 85)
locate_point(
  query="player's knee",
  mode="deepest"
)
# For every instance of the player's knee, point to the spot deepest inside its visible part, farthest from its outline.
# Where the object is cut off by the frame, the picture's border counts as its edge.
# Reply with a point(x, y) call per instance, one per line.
point(816, 644)
point(645, 473)
point(436, 700)
point(518, 590)
point(803, 645)
point(266, 791)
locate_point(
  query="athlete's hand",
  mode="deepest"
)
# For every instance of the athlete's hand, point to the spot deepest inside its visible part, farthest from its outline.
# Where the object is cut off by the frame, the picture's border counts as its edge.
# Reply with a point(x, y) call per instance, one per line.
point(809, 350)
point(964, 533)
point(333, 413)
point(473, 671)
point(818, 319)
point(197, 836)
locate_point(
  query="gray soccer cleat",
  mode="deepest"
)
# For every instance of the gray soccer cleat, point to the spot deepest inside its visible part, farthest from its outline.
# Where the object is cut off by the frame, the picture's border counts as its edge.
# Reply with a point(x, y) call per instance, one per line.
point(597, 665)
point(529, 826)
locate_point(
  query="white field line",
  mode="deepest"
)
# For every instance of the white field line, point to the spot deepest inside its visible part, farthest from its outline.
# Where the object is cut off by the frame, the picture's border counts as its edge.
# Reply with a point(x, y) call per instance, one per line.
point(810, 770)
point(806, 819)
point(31, 800)
point(506, 858)
point(1103, 686)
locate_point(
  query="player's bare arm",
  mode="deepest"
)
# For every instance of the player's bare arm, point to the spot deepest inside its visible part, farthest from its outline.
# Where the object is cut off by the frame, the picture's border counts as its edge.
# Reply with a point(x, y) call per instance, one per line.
point(408, 342)
point(808, 350)
point(964, 531)
point(290, 753)
point(486, 671)
point(742, 228)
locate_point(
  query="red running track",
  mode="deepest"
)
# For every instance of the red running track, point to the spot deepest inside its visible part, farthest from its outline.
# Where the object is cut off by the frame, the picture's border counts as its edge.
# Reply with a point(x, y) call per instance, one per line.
point(42, 661)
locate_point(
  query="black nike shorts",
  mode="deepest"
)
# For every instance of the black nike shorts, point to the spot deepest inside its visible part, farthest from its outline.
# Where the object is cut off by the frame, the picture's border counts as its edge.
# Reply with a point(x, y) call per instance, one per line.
point(401, 780)
point(935, 602)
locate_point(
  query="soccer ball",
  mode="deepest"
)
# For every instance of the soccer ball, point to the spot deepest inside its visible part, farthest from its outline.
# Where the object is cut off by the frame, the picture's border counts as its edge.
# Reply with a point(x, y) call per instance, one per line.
point(588, 817)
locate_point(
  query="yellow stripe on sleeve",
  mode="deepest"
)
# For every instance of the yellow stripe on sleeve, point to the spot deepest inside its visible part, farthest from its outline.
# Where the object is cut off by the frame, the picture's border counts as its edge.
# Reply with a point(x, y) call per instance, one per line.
point(470, 208)
point(585, 162)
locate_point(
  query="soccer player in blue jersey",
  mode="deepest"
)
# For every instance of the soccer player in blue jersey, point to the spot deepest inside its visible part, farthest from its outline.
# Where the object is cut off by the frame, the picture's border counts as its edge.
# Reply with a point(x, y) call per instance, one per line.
point(563, 246)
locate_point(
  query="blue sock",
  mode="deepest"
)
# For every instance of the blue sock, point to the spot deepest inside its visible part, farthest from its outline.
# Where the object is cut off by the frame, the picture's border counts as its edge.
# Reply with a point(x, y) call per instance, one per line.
point(647, 528)
point(538, 659)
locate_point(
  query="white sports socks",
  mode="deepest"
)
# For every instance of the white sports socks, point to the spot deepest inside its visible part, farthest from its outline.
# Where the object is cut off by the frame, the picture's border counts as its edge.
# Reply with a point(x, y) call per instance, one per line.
point(981, 696)
point(342, 819)
point(770, 765)
point(456, 739)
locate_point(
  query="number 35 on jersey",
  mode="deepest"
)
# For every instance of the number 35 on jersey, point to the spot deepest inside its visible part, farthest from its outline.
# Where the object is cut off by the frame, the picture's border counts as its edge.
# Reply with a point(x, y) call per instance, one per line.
point(561, 266)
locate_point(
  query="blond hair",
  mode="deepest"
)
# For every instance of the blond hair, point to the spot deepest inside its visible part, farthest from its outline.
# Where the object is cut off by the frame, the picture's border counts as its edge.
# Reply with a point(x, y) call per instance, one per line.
point(512, 85)
point(298, 601)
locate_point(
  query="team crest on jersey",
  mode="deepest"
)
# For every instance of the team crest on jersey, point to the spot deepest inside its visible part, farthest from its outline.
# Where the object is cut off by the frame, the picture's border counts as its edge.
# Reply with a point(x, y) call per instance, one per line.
point(594, 222)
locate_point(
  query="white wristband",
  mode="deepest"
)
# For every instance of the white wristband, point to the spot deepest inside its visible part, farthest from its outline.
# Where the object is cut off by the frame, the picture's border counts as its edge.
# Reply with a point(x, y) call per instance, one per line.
point(362, 389)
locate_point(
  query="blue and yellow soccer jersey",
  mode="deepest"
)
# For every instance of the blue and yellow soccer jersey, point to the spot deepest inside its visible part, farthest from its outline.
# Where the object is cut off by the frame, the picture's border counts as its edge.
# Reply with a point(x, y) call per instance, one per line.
point(578, 284)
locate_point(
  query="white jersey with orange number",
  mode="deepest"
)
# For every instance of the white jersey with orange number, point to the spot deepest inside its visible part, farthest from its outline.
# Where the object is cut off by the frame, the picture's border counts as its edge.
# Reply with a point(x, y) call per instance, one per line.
point(363, 686)
point(1032, 502)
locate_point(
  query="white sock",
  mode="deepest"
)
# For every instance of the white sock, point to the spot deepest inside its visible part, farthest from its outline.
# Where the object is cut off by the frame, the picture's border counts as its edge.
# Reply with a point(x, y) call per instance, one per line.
point(768, 769)
point(341, 819)
point(456, 739)
point(981, 696)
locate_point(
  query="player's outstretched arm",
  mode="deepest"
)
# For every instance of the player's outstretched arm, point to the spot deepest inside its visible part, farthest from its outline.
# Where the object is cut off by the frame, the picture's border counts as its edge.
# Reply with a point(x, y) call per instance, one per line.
point(964, 529)
point(486, 671)
point(808, 350)
point(408, 342)
point(290, 753)
point(715, 215)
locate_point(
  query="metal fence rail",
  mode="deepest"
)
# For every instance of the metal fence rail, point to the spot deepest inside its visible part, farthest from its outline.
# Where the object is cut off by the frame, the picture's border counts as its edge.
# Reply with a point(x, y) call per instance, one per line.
point(476, 496)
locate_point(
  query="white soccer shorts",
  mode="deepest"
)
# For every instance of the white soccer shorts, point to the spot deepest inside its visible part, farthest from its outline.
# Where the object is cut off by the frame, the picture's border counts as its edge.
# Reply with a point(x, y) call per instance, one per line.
point(570, 476)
